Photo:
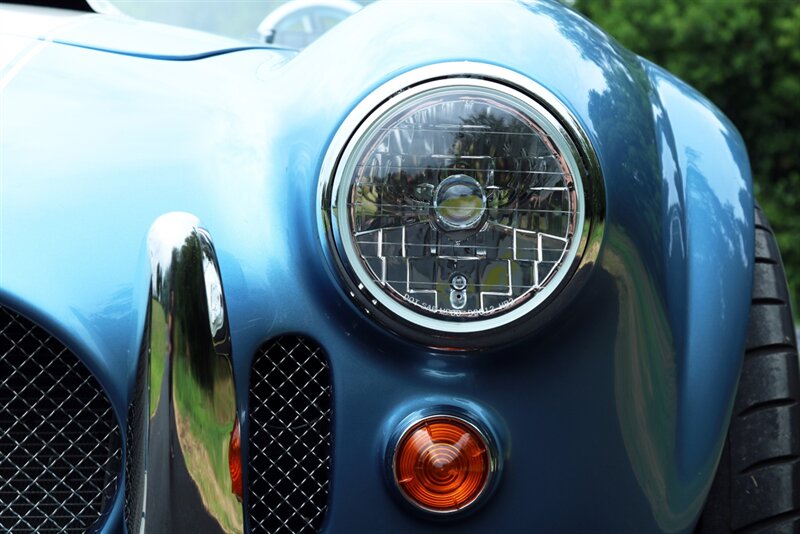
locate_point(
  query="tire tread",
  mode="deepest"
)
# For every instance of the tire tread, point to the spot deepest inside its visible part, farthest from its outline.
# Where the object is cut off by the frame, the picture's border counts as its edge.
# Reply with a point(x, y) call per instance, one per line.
point(757, 485)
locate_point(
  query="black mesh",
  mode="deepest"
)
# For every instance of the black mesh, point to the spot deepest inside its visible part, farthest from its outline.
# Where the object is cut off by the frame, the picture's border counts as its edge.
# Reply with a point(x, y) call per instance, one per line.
point(290, 437)
point(59, 440)
point(135, 453)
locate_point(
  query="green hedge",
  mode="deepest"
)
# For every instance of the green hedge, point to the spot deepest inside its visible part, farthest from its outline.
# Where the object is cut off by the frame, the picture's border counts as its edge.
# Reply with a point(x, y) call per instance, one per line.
point(745, 56)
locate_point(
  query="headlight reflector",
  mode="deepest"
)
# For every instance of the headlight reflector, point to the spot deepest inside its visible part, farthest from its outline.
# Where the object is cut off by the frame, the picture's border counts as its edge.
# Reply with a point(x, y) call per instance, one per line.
point(458, 205)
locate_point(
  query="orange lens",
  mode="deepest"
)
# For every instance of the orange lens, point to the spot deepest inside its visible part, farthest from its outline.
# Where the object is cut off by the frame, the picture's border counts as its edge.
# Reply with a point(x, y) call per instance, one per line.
point(442, 464)
point(235, 461)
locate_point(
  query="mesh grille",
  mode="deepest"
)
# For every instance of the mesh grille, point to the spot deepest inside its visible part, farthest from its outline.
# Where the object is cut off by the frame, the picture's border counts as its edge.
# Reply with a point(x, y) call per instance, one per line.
point(290, 437)
point(135, 457)
point(59, 441)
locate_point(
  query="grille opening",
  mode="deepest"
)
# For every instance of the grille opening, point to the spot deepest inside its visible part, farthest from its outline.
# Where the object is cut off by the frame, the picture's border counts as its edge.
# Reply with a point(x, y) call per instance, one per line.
point(290, 436)
point(59, 439)
point(136, 445)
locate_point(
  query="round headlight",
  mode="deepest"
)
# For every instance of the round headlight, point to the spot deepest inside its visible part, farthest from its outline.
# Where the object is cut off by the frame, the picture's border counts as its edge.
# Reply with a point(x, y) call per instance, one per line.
point(457, 205)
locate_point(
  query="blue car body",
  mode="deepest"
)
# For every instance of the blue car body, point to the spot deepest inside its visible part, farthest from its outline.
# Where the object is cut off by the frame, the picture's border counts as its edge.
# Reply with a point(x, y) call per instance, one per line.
point(610, 419)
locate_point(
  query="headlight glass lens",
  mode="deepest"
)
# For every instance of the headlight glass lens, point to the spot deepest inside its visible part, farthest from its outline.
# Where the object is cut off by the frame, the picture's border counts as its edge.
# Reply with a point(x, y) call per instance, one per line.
point(458, 204)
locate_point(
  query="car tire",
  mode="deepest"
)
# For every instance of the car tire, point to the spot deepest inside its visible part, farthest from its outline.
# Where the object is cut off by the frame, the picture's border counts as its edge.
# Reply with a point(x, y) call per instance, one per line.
point(757, 484)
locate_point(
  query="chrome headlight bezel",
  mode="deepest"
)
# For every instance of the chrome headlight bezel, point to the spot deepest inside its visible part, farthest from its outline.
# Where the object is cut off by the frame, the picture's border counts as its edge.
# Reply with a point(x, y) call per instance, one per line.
point(548, 113)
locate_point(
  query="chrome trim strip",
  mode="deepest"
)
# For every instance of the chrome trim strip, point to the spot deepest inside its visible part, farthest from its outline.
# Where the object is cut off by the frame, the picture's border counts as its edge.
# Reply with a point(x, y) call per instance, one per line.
point(571, 137)
point(190, 395)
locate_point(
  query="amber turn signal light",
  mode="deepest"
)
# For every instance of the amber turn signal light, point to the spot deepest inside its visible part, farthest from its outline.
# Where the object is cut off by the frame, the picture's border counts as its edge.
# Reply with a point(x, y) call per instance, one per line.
point(235, 461)
point(442, 464)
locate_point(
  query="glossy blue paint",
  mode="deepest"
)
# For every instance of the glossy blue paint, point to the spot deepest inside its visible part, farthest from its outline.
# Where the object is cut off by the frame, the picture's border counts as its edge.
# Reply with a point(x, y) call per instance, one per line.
point(117, 34)
point(612, 418)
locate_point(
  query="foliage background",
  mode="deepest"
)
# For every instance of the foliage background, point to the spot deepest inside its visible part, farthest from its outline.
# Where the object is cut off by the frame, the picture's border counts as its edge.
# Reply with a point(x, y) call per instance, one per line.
point(745, 56)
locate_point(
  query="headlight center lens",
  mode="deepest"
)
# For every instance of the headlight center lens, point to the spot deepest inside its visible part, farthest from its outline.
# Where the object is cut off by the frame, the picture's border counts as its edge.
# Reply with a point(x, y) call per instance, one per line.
point(459, 203)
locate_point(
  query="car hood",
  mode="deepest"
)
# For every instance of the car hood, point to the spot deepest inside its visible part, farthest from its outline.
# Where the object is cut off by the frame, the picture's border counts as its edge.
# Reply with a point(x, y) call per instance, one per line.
point(117, 34)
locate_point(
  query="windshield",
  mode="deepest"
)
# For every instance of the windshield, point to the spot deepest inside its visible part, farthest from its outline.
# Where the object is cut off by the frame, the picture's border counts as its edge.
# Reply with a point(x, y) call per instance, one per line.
point(293, 23)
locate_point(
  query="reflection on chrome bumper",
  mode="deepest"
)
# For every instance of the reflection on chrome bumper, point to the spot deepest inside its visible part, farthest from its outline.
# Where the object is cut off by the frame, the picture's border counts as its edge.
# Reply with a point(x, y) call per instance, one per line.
point(186, 390)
